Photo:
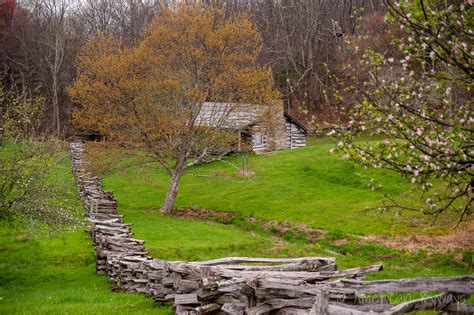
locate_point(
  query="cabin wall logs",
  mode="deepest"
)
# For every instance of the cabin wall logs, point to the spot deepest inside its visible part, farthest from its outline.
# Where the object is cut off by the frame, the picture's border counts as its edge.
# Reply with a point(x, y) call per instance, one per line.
point(243, 285)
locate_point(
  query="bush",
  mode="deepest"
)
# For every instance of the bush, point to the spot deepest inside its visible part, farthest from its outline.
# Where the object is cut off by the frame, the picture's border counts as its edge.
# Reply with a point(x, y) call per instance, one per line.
point(29, 193)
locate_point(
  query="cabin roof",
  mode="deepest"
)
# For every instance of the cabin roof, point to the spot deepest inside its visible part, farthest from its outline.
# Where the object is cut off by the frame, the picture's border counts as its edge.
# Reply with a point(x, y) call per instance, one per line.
point(296, 122)
point(229, 115)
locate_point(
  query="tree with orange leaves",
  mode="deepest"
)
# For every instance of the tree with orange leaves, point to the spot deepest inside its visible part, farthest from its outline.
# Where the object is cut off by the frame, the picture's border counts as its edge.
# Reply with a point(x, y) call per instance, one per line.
point(151, 95)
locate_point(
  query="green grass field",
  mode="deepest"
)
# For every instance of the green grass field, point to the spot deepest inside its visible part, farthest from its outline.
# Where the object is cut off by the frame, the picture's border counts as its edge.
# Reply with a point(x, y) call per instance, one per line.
point(304, 186)
point(307, 185)
point(56, 275)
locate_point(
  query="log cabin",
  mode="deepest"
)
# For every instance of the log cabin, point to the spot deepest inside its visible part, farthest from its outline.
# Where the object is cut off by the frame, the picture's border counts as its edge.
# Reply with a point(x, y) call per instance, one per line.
point(262, 128)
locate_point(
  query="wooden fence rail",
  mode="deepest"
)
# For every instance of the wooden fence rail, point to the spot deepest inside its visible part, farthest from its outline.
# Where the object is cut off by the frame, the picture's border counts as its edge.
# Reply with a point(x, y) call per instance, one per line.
point(246, 285)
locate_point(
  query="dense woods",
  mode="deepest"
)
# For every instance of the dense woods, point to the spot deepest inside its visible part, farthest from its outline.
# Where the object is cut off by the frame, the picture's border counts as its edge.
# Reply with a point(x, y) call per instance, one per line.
point(41, 39)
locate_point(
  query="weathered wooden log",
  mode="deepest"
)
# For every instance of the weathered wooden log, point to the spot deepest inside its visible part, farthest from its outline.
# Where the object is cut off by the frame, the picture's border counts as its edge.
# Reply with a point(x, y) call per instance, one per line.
point(119, 224)
point(232, 285)
point(437, 302)
point(186, 286)
point(321, 304)
point(232, 298)
point(208, 308)
point(238, 260)
point(104, 228)
point(105, 221)
point(340, 309)
point(276, 304)
point(458, 308)
point(293, 275)
point(119, 241)
point(368, 308)
point(292, 311)
point(103, 216)
point(184, 299)
point(463, 284)
point(298, 266)
point(183, 310)
point(233, 308)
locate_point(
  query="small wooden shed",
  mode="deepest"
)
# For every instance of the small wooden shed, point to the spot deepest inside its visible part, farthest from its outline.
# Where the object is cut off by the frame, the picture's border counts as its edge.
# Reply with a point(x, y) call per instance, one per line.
point(296, 132)
point(262, 127)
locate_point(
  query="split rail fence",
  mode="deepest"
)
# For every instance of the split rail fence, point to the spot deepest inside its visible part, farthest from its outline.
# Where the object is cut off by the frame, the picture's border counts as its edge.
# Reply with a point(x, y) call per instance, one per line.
point(244, 285)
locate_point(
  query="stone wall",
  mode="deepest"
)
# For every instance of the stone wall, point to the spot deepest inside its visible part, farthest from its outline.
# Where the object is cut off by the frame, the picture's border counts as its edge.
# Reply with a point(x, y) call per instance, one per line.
point(273, 126)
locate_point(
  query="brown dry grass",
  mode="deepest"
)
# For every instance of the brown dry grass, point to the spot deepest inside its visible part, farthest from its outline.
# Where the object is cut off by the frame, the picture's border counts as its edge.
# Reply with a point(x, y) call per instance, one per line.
point(459, 239)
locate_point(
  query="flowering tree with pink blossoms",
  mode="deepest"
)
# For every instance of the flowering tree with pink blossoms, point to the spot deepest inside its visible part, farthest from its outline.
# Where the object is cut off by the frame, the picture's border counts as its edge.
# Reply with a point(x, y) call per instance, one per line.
point(421, 104)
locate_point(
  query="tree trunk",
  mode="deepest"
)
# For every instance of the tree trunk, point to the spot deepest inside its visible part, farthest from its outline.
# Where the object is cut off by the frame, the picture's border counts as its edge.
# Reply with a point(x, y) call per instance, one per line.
point(56, 69)
point(167, 205)
point(1, 126)
point(56, 121)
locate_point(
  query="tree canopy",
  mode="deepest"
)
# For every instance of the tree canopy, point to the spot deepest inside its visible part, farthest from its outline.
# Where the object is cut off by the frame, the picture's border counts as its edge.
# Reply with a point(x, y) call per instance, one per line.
point(150, 95)
point(418, 97)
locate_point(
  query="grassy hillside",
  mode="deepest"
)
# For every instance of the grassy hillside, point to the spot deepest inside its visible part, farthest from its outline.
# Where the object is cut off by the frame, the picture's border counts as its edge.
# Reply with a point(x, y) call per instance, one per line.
point(42, 275)
point(304, 186)
point(307, 185)
point(57, 275)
